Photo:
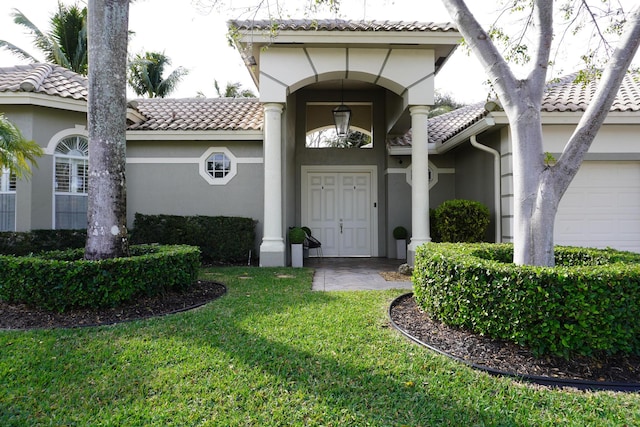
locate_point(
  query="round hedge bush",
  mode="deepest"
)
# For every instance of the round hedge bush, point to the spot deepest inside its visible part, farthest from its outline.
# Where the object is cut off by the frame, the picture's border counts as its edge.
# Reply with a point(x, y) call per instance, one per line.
point(400, 233)
point(589, 303)
point(297, 235)
point(461, 221)
point(60, 280)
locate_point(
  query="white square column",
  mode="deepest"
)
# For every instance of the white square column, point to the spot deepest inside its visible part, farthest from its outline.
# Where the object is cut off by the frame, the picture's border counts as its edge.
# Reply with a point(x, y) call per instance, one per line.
point(419, 180)
point(272, 248)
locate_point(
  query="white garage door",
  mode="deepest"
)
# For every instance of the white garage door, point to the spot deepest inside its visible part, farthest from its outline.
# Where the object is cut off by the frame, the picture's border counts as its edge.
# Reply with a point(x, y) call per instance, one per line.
point(601, 208)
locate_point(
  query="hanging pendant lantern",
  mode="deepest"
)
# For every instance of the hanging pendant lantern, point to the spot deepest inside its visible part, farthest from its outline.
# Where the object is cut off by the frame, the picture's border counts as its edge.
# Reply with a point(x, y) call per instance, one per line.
point(342, 116)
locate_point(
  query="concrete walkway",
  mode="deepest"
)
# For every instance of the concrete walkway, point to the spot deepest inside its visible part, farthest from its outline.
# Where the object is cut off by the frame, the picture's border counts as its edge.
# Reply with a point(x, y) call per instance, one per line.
point(350, 274)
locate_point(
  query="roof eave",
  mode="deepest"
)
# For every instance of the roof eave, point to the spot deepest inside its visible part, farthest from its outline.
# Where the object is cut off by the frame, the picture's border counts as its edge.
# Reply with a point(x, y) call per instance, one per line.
point(411, 38)
point(464, 135)
point(43, 100)
point(405, 150)
point(573, 117)
point(195, 135)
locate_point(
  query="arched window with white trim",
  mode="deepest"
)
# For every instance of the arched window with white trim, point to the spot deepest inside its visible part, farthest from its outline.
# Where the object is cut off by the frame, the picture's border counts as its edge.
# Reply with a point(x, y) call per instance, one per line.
point(70, 182)
point(327, 138)
point(7, 200)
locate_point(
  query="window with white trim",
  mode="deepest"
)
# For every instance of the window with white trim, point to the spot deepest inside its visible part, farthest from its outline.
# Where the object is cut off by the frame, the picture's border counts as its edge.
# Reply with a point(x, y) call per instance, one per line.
point(327, 138)
point(70, 182)
point(218, 165)
point(7, 200)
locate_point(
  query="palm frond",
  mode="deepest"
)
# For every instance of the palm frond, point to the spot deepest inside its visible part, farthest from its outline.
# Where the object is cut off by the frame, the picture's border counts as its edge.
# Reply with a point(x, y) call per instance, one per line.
point(59, 56)
point(169, 84)
point(145, 75)
point(17, 153)
point(80, 57)
point(40, 40)
point(64, 45)
point(20, 53)
point(69, 34)
point(139, 78)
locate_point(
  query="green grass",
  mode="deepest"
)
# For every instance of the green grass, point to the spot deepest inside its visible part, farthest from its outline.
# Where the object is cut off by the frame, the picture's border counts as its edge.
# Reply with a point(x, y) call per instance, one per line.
point(270, 353)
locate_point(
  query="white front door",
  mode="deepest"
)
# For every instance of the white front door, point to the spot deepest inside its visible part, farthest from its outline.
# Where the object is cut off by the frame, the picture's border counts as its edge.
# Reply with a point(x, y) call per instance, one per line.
point(338, 210)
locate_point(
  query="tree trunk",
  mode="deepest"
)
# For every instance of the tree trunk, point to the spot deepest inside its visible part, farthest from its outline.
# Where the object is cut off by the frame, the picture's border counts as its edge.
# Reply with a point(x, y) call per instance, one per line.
point(528, 166)
point(107, 216)
point(543, 220)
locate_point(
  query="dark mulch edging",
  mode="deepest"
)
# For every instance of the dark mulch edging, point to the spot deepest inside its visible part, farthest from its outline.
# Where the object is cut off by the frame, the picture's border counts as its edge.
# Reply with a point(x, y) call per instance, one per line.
point(619, 373)
point(20, 316)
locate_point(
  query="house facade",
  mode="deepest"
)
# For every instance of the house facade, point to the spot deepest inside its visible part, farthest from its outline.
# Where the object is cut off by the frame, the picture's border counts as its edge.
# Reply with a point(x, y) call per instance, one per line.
point(260, 158)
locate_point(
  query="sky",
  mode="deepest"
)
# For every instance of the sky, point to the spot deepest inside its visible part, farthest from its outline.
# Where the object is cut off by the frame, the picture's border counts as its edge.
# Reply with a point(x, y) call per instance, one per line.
point(193, 35)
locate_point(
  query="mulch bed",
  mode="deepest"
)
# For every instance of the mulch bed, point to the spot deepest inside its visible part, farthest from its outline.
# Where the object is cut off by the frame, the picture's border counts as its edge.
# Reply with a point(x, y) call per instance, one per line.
point(394, 276)
point(509, 357)
point(20, 316)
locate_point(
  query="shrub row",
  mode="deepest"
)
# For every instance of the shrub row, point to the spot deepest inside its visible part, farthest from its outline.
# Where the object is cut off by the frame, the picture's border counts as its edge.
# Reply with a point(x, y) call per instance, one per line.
point(60, 280)
point(24, 243)
point(588, 304)
point(220, 239)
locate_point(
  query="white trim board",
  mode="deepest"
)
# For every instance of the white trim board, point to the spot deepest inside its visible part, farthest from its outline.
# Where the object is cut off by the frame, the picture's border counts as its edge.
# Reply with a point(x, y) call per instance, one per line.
point(185, 160)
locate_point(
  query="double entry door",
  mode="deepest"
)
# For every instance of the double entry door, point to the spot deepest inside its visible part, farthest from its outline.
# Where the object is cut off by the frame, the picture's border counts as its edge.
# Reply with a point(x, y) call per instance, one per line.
point(338, 210)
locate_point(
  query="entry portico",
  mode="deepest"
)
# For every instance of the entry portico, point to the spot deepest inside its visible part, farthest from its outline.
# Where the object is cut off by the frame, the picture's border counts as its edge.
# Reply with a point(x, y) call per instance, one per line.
point(303, 69)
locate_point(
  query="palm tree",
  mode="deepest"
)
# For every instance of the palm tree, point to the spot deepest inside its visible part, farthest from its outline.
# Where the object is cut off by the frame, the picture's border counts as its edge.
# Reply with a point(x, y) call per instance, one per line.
point(66, 42)
point(15, 150)
point(145, 75)
point(106, 115)
point(233, 90)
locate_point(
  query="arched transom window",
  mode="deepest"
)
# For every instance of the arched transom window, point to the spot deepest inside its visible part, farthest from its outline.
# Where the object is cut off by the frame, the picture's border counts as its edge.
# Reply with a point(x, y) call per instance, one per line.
point(70, 182)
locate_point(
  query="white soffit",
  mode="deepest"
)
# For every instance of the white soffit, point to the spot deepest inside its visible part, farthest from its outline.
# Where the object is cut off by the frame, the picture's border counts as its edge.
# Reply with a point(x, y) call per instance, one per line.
point(353, 38)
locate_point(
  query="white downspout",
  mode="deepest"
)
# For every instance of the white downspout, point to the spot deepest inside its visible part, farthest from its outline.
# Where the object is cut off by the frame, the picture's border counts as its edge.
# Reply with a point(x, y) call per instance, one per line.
point(496, 180)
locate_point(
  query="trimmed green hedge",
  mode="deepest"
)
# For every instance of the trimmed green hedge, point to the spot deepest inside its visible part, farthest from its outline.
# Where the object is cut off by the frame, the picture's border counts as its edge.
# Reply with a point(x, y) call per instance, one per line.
point(588, 304)
point(460, 220)
point(60, 280)
point(26, 242)
point(221, 239)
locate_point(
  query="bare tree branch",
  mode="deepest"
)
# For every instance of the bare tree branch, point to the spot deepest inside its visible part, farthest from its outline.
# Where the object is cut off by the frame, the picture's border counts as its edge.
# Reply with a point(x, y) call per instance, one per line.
point(479, 41)
point(598, 108)
point(544, 13)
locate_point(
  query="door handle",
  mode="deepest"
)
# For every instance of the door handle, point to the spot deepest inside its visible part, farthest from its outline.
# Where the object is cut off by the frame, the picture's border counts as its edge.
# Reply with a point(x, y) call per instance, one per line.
point(340, 226)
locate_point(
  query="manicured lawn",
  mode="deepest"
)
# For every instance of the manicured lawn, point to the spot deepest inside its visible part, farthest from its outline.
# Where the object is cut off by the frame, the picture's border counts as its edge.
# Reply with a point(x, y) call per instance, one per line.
point(270, 353)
